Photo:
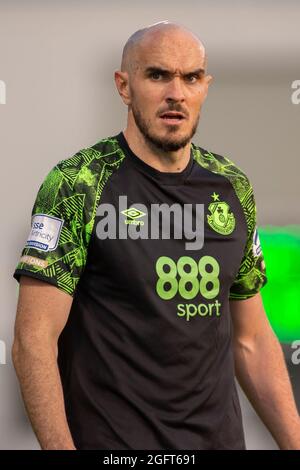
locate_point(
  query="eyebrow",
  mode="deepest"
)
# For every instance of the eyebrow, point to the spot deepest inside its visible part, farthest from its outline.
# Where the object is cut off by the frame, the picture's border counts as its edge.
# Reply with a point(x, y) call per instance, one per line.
point(152, 69)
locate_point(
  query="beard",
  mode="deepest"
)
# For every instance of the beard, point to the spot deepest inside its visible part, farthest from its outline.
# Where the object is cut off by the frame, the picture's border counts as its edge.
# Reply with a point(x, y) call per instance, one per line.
point(169, 143)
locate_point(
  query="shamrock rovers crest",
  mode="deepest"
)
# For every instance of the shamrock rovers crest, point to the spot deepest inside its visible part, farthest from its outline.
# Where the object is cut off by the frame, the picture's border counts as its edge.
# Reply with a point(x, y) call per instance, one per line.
point(221, 219)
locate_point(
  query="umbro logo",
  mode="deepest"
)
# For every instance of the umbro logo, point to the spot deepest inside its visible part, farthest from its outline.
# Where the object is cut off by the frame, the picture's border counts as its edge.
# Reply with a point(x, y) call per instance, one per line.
point(132, 214)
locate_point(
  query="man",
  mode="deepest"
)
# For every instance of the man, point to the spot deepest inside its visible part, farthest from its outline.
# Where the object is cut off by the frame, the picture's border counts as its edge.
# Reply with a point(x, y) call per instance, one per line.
point(140, 279)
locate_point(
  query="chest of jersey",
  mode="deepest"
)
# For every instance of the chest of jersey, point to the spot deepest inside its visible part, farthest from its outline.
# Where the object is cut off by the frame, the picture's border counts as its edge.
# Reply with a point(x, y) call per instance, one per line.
point(167, 246)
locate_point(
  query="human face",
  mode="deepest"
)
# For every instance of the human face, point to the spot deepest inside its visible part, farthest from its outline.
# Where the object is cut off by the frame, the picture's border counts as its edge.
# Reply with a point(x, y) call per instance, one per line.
point(167, 90)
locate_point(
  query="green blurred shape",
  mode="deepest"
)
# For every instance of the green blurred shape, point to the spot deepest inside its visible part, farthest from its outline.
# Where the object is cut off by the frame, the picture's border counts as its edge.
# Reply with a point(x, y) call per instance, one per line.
point(281, 294)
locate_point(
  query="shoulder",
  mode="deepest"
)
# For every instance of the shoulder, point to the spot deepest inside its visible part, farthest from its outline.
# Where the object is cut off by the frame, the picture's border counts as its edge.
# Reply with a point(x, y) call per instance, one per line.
point(77, 181)
point(85, 164)
point(224, 166)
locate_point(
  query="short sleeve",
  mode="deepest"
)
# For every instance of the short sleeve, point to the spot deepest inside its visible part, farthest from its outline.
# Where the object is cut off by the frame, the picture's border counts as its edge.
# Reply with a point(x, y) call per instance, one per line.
point(56, 248)
point(251, 276)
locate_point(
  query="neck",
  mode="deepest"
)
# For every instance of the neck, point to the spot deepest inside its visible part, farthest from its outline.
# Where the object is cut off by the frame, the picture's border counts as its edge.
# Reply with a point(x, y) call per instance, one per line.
point(174, 161)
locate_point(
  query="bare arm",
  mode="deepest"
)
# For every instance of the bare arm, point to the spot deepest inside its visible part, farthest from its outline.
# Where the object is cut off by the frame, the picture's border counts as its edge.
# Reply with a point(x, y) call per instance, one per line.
point(41, 315)
point(262, 373)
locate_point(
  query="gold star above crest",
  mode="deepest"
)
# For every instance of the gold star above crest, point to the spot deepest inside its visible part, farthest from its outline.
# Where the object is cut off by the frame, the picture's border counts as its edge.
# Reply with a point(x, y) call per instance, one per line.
point(215, 196)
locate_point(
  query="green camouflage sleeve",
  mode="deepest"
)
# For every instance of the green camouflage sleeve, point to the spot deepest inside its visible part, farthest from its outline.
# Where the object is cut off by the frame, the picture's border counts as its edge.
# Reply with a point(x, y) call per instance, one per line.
point(64, 213)
point(251, 276)
point(56, 248)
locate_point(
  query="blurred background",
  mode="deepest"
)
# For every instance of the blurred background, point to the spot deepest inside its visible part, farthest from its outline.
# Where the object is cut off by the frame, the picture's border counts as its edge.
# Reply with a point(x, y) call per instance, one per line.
point(57, 95)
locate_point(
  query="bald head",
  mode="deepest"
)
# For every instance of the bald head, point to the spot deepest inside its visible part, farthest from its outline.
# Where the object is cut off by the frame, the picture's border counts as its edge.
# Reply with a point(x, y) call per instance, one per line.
point(155, 34)
point(163, 72)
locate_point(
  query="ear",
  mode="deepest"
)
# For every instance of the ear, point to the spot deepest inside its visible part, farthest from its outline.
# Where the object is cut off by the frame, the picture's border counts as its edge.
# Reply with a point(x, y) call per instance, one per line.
point(208, 79)
point(122, 84)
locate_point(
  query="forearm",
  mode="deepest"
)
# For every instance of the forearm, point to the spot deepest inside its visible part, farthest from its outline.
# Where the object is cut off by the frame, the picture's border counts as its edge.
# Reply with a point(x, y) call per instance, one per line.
point(41, 389)
point(262, 374)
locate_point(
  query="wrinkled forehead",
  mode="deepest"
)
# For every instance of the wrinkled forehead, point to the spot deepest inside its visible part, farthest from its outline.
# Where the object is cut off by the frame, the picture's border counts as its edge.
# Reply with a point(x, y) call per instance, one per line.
point(172, 50)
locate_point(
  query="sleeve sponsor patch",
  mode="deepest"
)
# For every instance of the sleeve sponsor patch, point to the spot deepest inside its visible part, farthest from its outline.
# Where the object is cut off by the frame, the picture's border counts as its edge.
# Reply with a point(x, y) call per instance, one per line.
point(45, 232)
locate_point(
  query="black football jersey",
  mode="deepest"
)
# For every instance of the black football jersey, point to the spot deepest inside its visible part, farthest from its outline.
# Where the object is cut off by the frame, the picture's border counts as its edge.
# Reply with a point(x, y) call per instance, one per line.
point(151, 259)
